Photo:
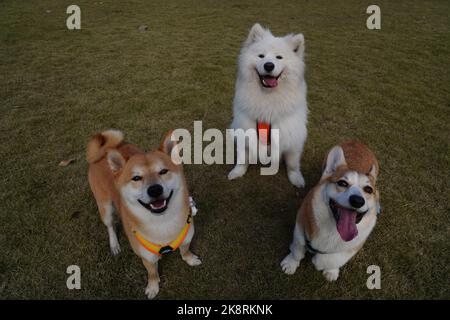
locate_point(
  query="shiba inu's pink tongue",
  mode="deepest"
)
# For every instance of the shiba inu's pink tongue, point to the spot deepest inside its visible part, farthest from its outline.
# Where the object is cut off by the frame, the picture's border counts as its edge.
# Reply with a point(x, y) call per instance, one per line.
point(271, 81)
point(346, 225)
point(158, 204)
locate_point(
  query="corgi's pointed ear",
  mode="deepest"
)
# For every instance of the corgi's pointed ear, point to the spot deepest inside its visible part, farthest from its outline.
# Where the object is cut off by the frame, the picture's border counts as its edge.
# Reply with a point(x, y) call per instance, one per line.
point(335, 159)
point(373, 172)
point(115, 160)
point(298, 43)
point(257, 32)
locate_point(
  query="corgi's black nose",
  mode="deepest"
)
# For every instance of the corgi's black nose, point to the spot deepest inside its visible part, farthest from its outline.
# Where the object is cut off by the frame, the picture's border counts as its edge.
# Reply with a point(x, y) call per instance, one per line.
point(356, 201)
point(269, 66)
point(155, 190)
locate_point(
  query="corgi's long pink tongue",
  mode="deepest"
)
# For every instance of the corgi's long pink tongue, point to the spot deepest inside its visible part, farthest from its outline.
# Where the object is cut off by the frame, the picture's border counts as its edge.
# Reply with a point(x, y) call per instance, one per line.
point(346, 225)
point(271, 81)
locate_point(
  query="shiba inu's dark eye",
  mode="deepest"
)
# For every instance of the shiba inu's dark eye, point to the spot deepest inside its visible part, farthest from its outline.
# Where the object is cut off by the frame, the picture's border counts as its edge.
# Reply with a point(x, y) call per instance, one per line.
point(136, 178)
point(261, 56)
point(342, 183)
point(279, 57)
point(163, 171)
point(368, 189)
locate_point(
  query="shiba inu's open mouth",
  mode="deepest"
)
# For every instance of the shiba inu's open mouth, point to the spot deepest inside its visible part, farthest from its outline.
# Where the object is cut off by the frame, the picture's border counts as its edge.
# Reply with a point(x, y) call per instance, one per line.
point(157, 206)
point(268, 81)
point(346, 220)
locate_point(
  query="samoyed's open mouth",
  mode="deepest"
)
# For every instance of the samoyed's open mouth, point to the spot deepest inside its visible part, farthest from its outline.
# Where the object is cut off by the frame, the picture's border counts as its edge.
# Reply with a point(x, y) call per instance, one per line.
point(268, 81)
point(158, 205)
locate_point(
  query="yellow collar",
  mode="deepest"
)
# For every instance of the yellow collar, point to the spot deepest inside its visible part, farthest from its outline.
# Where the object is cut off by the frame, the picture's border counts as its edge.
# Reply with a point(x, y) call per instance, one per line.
point(160, 249)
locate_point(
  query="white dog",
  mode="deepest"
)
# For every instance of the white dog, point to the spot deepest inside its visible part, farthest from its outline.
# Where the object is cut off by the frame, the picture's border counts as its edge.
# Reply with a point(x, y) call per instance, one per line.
point(271, 93)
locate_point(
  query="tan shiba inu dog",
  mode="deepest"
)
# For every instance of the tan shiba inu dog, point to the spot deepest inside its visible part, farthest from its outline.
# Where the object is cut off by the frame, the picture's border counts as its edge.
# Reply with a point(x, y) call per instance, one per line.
point(339, 213)
point(150, 194)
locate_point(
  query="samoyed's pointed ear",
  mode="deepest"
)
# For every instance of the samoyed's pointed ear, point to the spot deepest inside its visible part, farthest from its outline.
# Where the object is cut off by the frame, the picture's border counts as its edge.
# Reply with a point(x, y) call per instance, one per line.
point(335, 159)
point(257, 32)
point(298, 43)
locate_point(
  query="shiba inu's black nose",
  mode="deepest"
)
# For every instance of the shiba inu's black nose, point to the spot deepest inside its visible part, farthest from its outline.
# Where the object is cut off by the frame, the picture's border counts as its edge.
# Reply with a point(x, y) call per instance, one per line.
point(155, 190)
point(356, 201)
point(269, 66)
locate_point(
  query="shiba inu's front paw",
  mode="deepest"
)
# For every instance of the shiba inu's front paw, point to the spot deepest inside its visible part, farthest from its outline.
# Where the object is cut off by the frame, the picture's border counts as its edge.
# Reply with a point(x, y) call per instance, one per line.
point(115, 249)
point(289, 264)
point(238, 171)
point(296, 178)
point(331, 275)
point(152, 289)
point(192, 260)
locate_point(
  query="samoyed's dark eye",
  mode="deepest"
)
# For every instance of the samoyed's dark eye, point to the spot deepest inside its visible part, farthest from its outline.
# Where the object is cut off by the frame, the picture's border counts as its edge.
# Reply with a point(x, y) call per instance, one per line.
point(279, 57)
point(261, 56)
point(136, 178)
point(163, 171)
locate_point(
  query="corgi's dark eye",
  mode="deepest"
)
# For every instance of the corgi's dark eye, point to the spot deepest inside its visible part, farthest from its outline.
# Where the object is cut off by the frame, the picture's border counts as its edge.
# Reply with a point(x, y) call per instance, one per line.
point(368, 189)
point(279, 57)
point(163, 171)
point(342, 183)
point(261, 56)
point(136, 178)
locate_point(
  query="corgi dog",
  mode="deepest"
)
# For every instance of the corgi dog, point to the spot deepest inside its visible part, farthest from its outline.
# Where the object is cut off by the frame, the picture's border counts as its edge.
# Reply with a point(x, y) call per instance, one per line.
point(149, 193)
point(339, 213)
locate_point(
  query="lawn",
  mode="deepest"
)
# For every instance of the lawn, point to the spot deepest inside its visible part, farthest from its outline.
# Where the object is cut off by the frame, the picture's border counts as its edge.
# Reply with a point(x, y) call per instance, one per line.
point(389, 88)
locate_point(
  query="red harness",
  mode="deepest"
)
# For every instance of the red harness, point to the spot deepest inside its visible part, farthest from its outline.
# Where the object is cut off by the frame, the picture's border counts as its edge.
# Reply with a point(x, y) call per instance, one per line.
point(263, 132)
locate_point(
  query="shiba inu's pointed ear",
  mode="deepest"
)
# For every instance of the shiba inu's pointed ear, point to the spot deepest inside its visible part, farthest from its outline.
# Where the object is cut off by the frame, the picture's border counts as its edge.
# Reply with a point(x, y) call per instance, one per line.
point(115, 160)
point(168, 143)
point(257, 32)
point(335, 159)
point(298, 43)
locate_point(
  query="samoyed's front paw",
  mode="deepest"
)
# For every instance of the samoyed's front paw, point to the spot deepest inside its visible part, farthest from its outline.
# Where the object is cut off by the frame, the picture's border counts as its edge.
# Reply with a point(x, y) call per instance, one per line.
point(289, 265)
point(238, 171)
point(296, 178)
point(193, 260)
point(152, 289)
point(331, 275)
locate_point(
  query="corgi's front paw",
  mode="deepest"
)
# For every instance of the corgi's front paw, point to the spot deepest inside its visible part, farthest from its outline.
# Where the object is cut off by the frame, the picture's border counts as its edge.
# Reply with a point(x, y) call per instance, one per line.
point(289, 264)
point(296, 178)
point(238, 171)
point(152, 289)
point(331, 275)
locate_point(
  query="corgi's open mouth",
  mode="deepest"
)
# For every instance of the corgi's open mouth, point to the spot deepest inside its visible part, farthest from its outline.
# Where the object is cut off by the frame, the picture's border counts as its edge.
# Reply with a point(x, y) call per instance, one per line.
point(158, 205)
point(268, 81)
point(346, 220)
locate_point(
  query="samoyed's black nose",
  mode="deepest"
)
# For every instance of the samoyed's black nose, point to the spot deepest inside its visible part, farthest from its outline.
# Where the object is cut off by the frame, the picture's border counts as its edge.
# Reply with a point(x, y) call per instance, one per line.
point(269, 66)
point(155, 190)
point(356, 201)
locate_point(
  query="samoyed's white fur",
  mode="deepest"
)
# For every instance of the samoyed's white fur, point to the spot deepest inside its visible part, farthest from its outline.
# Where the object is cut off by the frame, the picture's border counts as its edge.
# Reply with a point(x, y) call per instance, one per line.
point(281, 102)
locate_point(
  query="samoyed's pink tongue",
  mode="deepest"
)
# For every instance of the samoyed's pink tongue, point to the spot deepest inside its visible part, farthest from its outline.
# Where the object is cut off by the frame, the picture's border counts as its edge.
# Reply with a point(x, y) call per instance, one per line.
point(271, 81)
point(346, 225)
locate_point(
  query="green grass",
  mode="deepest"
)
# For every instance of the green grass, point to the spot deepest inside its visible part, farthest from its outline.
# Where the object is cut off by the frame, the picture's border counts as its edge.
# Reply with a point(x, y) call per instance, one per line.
point(388, 88)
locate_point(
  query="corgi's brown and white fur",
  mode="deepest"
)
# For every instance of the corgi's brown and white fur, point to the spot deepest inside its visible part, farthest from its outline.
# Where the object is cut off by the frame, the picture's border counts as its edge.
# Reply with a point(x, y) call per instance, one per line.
point(339, 213)
point(148, 191)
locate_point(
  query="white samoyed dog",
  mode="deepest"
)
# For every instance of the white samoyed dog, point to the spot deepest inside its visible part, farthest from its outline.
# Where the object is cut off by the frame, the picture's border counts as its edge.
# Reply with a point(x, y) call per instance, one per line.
point(271, 89)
